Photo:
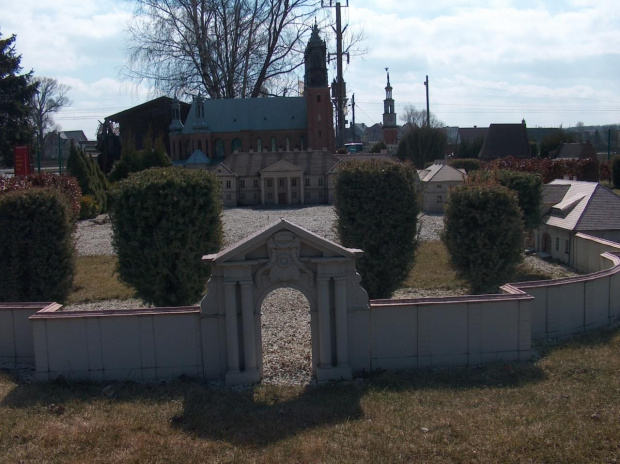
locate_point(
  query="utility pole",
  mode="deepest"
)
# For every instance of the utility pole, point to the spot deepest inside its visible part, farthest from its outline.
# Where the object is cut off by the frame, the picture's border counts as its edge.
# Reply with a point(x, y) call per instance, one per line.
point(353, 118)
point(339, 91)
point(428, 110)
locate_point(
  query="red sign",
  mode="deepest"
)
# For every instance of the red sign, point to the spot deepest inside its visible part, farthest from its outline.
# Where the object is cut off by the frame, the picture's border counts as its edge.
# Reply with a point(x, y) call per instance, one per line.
point(22, 161)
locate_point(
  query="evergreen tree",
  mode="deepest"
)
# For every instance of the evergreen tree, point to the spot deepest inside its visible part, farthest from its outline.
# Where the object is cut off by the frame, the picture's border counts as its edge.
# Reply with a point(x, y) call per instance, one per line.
point(16, 91)
point(89, 176)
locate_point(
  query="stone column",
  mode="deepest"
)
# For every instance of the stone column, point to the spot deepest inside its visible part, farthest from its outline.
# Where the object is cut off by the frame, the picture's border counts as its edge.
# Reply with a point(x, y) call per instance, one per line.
point(325, 342)
point(232, 339)
point(247, 312)
point(275, 189)
point(342, 348)
point(262, 190)
point(288, 189)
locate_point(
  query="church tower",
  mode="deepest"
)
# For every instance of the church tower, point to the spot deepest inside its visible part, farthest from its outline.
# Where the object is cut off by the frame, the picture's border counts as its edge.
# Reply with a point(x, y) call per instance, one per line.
point(316, 90)
point(390, 129)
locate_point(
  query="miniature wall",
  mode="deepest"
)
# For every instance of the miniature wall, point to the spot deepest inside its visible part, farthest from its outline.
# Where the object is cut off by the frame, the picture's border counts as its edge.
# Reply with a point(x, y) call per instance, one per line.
point(16, 341)
point(121, 345)
point(565, 307)
point(459, 331)
point(163, 343)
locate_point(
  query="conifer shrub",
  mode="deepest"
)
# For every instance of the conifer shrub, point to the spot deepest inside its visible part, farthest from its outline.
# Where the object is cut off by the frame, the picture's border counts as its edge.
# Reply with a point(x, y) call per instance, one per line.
point(37, 249)
point(615, 171)
point(164, 220)
point(377, 211)
point(136, 161)
point(88, 207)
point(90, 177)
point(484, 234)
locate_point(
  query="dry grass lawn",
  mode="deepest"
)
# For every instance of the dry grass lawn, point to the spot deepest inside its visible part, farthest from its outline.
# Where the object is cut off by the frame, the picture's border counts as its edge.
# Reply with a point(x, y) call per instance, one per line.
point(563, 408)
point(96, 279)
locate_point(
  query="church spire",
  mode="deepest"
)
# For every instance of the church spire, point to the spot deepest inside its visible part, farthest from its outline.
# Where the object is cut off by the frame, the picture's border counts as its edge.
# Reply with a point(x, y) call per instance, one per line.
point(389, 116)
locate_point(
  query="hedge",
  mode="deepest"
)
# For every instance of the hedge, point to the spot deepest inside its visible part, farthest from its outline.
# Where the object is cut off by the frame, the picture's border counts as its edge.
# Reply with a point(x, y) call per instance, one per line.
point(37, 249)
point(90, 177)
point(376, 211)
point(164, 220)
point(550, 169)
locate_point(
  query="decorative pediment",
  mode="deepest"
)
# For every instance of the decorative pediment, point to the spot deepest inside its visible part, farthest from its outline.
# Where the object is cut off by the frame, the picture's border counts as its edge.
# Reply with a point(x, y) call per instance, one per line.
point(281, 166)
point(278, 237)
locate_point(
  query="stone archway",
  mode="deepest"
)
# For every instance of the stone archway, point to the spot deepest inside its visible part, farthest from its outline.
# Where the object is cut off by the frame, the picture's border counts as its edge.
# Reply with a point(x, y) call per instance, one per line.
point(281, 255)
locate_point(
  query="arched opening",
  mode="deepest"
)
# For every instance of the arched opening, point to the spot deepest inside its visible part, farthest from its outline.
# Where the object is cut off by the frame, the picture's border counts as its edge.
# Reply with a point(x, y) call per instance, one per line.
point(286, 338)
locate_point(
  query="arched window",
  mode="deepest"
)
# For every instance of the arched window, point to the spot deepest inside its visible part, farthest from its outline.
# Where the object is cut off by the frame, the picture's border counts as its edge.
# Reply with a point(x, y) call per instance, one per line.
point(302, 143)
point(218, 149)
point(259, 145)
point(273, 144)
point(288, 144)
point(236, 144)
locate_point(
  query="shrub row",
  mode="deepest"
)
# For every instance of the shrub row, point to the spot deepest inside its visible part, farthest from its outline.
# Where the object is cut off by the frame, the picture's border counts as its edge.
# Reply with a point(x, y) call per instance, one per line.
point(136, 161)
point(376, 211)
point(66, 185)
point(550, 169)
point(37, 251)
point(164, 220)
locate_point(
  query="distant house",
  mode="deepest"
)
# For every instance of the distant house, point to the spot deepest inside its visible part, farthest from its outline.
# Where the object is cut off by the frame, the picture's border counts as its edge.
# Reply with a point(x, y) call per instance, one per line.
point(570, 207)
point(578, 150)
point(276, 178)
point(151, 118)
point(51, 142)
point(435, 184)
point(505, 140)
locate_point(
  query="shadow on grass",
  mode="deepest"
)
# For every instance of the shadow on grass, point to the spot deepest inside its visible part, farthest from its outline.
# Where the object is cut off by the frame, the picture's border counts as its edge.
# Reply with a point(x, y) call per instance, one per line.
point(265, 414)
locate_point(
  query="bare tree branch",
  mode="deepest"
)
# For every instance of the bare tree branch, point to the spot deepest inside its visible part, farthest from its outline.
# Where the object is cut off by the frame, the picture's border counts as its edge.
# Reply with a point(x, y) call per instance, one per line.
point(50, 98)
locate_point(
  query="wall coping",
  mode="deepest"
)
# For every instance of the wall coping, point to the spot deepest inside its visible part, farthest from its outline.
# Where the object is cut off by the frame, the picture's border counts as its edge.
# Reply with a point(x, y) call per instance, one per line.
point(602, 241)
point(53, 312)
point(513, 294)
point(11, 306)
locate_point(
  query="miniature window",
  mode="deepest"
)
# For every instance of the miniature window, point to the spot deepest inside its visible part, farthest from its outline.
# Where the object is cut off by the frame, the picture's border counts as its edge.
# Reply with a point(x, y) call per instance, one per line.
point(273, 144)
point(288, 144)
point(256, 183)
point(320, 181)
point(294, 182)
point(438, 186)
point(318, 99)
point(566, 246)
point(269, 183)
point(281, 182)
point(439, 199)
point(242, 183)
point(259, 144)
point(557, 244)
point(236, 144)
point(307, 182)
point(228, 184)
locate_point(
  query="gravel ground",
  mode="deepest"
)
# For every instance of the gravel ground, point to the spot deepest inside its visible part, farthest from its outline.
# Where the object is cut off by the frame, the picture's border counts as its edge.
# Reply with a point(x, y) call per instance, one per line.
point(285, 312)
point(94, 236)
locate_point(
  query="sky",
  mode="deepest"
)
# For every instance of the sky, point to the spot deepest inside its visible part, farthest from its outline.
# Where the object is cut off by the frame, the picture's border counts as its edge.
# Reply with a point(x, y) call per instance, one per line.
point(552, 63)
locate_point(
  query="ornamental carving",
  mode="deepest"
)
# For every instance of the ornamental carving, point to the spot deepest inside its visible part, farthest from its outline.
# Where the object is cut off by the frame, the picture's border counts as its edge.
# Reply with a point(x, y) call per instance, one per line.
point(284, 264)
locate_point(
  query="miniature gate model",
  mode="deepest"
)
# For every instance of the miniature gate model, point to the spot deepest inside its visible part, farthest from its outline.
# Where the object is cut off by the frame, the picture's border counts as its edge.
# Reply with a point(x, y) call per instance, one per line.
point(281, 255)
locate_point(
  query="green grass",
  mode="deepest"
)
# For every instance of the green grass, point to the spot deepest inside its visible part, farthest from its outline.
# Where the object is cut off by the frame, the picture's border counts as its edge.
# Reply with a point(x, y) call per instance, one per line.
point(96, 280)
point(563, 408)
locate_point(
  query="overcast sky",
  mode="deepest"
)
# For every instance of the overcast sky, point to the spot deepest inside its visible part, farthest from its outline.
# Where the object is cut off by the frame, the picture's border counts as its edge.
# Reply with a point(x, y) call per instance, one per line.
point(551, 63)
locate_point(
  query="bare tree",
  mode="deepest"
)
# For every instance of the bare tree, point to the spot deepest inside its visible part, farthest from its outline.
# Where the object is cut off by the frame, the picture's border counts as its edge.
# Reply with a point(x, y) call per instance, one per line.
point(50, 98)
point(224, 48)
point(417, 118)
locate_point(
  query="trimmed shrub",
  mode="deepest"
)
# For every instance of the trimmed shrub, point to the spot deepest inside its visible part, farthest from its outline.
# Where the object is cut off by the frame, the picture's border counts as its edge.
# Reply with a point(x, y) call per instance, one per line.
point(615, 171)
point(164, 220)
point(89, 176)
point(88, 207)
point(37, 249)
point(377, 147)
point(583, 169)
point(422, 145)
point(483, 233)
point(66, 185)
point(469, 164)
point(377, 211)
